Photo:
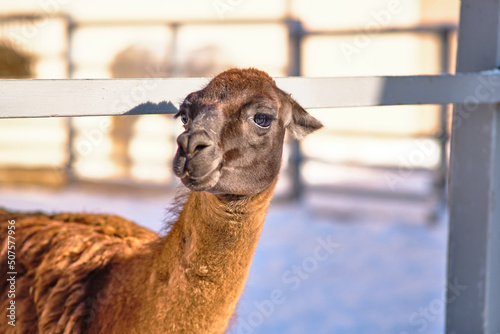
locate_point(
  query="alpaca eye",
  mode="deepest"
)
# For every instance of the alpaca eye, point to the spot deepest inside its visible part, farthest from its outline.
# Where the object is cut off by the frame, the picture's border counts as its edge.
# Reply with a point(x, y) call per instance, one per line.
point(263, 121)
point(184, 117)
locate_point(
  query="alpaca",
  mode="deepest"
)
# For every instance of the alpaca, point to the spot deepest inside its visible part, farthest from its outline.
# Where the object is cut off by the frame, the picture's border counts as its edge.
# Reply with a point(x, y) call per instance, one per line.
point(86, 273)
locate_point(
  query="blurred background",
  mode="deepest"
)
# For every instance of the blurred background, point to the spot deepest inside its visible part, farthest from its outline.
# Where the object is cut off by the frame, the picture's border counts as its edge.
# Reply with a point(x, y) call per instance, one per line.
point(372, 181)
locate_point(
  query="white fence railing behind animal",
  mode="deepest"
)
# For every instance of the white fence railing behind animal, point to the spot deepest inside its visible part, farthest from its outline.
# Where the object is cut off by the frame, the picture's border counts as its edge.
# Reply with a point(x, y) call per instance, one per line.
point(100, 97)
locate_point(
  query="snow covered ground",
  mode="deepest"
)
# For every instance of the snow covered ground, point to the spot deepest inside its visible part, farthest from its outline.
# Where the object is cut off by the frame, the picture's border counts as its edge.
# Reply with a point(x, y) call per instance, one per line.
point(312, 272)
point(314, 275)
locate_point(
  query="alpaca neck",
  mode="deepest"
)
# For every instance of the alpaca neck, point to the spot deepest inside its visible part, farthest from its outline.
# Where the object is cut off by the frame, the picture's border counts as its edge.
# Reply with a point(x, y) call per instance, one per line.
point(206, 257)
point(190, 280)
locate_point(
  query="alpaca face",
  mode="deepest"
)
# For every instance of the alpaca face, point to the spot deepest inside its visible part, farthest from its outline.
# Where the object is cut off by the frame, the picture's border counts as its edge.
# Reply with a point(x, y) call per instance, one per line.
point(235, 129)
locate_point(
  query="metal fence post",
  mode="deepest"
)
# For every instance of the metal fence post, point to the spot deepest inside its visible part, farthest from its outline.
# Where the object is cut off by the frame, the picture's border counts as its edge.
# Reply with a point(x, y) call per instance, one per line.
point(442, 137)
point(295, 36)
point(473, 294)
point(70, 68)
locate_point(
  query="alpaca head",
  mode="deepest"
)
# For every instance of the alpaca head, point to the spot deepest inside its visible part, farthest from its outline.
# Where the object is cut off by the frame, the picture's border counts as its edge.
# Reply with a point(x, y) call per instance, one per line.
point(235, 128)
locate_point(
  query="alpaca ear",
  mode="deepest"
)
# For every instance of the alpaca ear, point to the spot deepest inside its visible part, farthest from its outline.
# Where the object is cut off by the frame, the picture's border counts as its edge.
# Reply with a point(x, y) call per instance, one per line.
point(301, 123)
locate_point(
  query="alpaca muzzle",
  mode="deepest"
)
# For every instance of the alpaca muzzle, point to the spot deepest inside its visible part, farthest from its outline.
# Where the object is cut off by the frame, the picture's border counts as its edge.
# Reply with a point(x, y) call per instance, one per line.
point(196, 160)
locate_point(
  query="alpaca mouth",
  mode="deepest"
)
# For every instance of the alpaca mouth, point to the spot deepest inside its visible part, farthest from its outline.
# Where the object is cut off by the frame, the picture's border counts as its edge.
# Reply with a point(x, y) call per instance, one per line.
point(201, 183)
point(195, 175)
point(204, 183)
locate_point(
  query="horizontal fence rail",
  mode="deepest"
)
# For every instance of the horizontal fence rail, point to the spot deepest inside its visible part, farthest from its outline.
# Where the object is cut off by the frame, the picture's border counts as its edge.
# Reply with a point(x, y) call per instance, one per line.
point(100, 97)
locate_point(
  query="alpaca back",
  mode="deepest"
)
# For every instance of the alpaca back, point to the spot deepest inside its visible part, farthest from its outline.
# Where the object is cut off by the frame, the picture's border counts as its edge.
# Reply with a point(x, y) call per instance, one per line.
point(58, 261)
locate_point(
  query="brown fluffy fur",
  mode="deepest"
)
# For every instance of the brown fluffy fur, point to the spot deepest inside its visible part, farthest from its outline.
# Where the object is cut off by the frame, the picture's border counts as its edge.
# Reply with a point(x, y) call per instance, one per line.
point(58, 258)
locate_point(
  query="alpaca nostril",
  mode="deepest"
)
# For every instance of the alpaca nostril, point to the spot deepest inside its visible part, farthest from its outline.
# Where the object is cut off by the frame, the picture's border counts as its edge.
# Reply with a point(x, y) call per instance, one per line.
point(200, 147)
point(196, 145)
point(191, 144)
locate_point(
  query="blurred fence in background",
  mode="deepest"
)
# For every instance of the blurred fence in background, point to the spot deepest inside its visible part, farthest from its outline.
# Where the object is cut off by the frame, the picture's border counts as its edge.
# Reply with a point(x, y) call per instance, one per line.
point(396, 153)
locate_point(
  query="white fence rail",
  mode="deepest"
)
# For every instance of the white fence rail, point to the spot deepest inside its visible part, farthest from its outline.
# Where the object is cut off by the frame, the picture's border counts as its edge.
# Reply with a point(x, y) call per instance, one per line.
point(95, 97)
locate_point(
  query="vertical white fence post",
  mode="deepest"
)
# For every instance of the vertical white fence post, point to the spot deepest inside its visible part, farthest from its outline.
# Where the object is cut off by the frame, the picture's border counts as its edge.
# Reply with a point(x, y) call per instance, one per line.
point(473, 294)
